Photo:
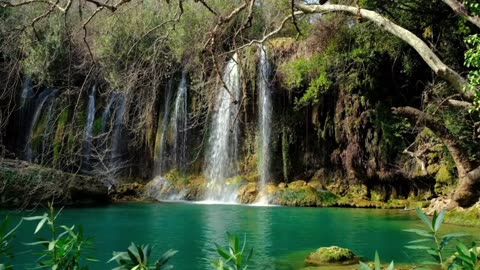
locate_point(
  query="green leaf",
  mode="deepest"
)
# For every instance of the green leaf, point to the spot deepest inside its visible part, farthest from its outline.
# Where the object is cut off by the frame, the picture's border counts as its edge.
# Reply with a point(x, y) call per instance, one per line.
point(222, 252)
point(419, 241)
point(462, 249)
point(391, 266)
point(439, 220)
point(364, 266)
point(424, 218)
point(35, 217)
point(421, 233)
point(377, 261)
point(418, 247)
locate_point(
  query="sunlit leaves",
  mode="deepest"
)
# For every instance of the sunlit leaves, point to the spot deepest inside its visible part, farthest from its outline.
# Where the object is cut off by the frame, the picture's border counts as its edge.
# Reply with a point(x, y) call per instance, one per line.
point(232, 257)
point(137, 257)
point(377, 264)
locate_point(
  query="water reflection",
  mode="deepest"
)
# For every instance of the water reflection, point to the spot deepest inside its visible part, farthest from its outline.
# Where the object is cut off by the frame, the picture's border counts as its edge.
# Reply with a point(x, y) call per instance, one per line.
point(251, 223)
point(281, 236)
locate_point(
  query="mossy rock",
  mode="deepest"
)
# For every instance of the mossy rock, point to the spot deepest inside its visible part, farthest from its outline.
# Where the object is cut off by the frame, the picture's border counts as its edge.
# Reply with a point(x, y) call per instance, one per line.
point(236, 181)
point(248, 193)
point(303, 196)
point(297, 184)
point(443, 175)
point(41, 185)
point(332, 255)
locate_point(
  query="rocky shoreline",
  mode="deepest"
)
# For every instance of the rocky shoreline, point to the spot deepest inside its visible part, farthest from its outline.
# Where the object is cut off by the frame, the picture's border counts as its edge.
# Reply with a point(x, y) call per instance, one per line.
point(39, 185)
point(25, 185)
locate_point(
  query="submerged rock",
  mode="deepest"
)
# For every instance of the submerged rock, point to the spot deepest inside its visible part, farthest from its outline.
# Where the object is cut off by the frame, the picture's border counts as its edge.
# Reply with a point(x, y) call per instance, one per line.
point(332, 255)
point(25, 184)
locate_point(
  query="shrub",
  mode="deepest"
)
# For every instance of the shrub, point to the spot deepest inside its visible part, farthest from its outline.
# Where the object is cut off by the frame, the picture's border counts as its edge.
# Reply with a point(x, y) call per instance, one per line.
point(66, 247)
point(232, 257)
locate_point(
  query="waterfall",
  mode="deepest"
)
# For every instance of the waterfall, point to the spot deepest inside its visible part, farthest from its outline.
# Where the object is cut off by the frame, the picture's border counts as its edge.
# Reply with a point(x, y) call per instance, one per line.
point(161, 157)
point(24, 116)
point(39, 104)
point(119, 145)
point(88, 131)
point(264, 121)
point(49, 132)
point(107, 113)
point(180, 122)
point(223, 141)
point(27, 93)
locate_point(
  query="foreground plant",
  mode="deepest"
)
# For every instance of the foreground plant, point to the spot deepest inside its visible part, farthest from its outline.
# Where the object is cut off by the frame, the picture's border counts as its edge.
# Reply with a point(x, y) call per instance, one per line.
point(377, 264)
point(232, 257)
point(66, 247)
point(7, 235)
point(466, 258)
point(137, 258)
point(438, 243)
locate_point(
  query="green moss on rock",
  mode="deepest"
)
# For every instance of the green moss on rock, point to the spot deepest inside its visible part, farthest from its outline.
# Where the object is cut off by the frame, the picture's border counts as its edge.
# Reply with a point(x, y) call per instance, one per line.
point(303, 196)
point(332, 255)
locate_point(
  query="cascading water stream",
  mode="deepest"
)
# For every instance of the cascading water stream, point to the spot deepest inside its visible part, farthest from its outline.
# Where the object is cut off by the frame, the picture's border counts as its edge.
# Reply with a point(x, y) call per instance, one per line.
point(119, 144)
point(161, 161)
point(27, 93)
point(264, 123)
point(88, 131)
point(107, 113)
point(39, 104)
point(180, 122)
point(223, 141)
point(49, 132)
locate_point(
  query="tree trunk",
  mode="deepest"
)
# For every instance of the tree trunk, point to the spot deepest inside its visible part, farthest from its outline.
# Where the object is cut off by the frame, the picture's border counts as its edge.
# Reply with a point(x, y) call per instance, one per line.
point(459, 9)
point(432, 60)
point(466, 192)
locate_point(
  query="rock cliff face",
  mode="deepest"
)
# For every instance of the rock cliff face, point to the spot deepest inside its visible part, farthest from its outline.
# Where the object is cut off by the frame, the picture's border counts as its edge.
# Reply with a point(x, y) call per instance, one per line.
point(23, 184)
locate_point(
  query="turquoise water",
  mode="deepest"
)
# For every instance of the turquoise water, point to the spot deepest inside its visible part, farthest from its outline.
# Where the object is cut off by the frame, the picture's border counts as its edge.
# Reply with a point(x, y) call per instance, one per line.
point(281, 236)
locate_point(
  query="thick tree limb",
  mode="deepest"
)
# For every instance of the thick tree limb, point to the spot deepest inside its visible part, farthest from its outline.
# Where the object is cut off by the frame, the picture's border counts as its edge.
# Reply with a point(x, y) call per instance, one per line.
point(460, 104)
point(459, 9)
point(467, 191)
point(459, 155)
point(430, 58)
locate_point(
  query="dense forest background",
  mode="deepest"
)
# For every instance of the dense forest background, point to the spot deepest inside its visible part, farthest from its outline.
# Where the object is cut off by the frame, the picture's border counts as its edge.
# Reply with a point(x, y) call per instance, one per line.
point(354, 107)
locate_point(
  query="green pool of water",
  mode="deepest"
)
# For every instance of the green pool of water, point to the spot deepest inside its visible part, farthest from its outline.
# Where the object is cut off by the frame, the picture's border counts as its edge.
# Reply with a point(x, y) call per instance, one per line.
point(281, 236)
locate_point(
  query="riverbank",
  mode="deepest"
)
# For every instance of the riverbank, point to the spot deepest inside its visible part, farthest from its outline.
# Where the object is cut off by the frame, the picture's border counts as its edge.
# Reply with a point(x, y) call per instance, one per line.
point(26, 185)
point(40, 185)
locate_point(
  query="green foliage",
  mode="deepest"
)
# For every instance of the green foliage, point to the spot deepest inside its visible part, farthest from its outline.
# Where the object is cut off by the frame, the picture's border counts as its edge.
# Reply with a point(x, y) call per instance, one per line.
point(46, 50)
point(431, 235)
point(66, 247)
point(137, 258)
point(466, 259)
point(377, 264)
point(232, 257)
point(311, 74)
point(472, 60)
point(473, 6)
point(7, 235)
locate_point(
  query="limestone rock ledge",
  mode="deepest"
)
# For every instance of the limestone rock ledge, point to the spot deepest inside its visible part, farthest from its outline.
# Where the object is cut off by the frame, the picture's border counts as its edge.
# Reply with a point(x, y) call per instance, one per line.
point(23, 184)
